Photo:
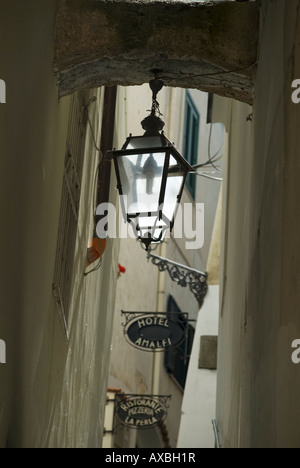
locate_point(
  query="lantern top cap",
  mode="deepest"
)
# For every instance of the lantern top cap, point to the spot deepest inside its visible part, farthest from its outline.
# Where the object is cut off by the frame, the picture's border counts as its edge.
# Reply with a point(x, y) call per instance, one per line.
point(153, 124)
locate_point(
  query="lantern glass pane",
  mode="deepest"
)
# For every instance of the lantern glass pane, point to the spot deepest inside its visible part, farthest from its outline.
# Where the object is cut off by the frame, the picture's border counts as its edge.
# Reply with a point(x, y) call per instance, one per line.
point(150, 221)
point(144, 226)
point(173, 188)
point(144, 142)
point(141, 177)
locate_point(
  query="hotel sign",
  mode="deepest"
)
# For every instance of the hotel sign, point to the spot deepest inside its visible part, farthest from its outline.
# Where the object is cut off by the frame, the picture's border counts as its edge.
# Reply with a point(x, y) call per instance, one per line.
point(141, 411)
point(154, 331)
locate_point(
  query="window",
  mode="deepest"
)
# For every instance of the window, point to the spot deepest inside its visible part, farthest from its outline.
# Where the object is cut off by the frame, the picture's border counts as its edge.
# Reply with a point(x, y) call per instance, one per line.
point(69, 211)
point(177, 359)
point(208, 357)
point(191, 139)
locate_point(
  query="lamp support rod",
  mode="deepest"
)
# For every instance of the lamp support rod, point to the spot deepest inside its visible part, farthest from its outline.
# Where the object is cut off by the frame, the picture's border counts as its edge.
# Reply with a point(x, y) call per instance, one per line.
point(156, 86)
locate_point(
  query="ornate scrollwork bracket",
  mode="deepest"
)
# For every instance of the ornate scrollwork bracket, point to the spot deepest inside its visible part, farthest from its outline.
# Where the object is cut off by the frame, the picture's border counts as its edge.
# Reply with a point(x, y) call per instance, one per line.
point(183, 276)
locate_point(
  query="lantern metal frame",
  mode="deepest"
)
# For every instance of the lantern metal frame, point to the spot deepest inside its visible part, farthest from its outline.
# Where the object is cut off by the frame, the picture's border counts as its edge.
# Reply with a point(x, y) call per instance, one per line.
point(182, 166)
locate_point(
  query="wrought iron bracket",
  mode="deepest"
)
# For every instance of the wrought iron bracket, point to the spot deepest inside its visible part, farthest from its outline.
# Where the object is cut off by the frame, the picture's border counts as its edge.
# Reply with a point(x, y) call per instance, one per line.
point(183, 276)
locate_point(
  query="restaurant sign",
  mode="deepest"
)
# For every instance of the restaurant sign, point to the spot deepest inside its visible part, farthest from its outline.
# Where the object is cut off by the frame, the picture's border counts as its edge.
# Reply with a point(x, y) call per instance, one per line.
point(154, 331)
point(141, 411)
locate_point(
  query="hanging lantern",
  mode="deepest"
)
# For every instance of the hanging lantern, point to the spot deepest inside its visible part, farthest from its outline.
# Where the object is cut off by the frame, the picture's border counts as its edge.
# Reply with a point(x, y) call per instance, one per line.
point(151, 175)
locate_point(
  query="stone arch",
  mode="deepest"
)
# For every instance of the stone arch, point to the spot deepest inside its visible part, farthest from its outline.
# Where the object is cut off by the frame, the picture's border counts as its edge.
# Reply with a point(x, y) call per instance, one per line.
point(212, 47)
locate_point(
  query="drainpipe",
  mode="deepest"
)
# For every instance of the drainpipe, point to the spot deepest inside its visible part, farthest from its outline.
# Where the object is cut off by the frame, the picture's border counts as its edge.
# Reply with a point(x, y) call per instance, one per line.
point(103, 181)
point(106, 144)
point(160, 307)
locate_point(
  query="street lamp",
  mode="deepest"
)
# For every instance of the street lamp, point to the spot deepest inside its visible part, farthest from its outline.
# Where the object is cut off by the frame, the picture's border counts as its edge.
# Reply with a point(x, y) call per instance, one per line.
point(151, 174)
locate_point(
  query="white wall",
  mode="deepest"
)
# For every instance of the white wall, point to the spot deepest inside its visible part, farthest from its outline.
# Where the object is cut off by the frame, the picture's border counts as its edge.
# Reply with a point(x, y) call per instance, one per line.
point(199, 402)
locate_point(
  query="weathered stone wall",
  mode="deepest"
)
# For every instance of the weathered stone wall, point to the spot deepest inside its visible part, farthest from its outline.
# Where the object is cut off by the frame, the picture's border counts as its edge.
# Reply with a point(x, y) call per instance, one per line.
point(212, 47)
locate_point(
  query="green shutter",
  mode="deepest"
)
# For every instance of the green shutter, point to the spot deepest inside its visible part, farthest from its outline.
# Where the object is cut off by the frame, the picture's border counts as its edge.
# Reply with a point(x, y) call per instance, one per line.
point(191, 139)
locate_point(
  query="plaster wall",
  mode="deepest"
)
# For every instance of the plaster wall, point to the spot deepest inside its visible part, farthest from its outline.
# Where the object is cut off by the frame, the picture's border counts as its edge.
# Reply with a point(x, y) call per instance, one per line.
point(258, 398)
point(49, 390)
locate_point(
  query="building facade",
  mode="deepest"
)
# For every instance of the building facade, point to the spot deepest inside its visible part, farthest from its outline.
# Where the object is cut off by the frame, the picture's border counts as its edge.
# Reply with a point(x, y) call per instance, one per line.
point(143, 288)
